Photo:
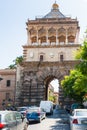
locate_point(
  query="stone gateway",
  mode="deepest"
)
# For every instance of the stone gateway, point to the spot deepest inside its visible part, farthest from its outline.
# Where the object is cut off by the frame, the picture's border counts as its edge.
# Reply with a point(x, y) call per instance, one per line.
point(48, 54)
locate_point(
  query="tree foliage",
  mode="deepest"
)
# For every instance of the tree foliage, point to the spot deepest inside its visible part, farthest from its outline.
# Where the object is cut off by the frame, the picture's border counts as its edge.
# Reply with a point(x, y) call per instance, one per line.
point(83, 58)
point(12, 66)
point(18, 60)
point(75, 85)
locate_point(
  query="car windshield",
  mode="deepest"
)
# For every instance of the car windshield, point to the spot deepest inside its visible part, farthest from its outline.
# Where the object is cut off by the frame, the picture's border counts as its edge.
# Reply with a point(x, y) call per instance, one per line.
point(22, 109)
point(34, 109)
point(81, 113)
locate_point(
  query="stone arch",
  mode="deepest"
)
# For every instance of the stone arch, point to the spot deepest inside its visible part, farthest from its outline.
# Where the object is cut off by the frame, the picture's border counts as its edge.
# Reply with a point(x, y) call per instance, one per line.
point(33, 31)
point(52, 35)
point(50, 71)
point(71, 39)
point(34, 39)
point(71, 31)
point(41, 32)
point(61, 31)
point(47, 75)
point(33, 34)
point(52, 32)
point(33, 84)
point(42, 35)
point(62, 39)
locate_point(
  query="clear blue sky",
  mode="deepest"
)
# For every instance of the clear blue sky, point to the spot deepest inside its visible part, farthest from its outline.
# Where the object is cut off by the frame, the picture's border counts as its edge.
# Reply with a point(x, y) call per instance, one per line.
point(13, 18)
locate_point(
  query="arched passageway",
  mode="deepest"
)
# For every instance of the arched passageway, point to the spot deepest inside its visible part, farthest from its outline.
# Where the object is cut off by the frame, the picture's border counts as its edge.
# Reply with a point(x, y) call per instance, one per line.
point(51, 88)
point(33, 85)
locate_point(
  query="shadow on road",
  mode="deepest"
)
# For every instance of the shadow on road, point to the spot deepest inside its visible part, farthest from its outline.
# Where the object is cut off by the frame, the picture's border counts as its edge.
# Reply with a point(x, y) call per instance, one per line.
point(62, 122)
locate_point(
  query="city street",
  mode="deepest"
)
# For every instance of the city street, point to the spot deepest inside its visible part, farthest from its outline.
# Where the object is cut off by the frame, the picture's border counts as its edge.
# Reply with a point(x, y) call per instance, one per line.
point(58, 121)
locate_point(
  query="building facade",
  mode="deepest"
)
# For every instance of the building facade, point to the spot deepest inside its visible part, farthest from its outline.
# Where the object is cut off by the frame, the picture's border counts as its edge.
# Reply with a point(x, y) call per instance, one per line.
point(7, 87)
point(48, 54)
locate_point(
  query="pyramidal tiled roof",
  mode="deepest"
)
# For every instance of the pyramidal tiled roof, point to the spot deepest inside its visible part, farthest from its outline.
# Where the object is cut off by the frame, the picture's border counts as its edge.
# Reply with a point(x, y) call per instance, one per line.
point(54, 13)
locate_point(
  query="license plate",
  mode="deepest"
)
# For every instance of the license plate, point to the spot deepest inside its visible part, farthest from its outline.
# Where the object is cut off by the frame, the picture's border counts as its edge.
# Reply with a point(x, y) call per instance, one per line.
point(84, 122)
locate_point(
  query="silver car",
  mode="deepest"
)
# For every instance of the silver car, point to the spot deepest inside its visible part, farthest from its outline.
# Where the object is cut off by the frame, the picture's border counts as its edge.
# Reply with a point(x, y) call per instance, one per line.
point(12, 120)
point(78, 119)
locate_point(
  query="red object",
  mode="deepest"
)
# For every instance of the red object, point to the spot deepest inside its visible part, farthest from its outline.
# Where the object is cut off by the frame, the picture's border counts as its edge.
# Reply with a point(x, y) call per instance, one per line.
point(2, 126)
point(75, 121)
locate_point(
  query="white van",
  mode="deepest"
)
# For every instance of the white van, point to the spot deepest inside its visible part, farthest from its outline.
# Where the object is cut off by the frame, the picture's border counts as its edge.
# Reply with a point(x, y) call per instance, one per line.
point(47, 106)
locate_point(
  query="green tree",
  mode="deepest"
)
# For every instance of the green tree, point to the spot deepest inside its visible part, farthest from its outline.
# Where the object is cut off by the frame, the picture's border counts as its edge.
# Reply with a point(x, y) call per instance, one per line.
point(52, 98)
point(83, 58)
point(18, 60)
point(75, 85)
point(12, 66)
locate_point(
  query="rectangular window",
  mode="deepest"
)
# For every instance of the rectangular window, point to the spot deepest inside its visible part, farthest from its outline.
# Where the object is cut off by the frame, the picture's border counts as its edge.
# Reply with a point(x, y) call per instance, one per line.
point(61, 58)
point(41, 57)
point(8, 83)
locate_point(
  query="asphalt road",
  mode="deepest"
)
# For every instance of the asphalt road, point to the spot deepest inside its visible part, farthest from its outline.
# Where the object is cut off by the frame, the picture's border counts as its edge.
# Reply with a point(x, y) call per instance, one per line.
point(58, 121)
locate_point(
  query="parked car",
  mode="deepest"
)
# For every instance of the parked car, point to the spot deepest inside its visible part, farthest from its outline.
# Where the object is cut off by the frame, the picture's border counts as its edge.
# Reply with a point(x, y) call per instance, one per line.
point(78, 119)
point(23, 110)
point(35, 114)
point(11, 120)
point(67, 107)
point(76, 106)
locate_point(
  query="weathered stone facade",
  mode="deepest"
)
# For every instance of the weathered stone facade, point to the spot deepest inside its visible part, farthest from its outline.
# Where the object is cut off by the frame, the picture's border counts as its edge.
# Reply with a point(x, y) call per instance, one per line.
point(48, 54)
point(34, 80)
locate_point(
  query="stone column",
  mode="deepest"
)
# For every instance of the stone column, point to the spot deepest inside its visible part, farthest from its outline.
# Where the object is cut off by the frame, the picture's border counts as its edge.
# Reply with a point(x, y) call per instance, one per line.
point(37, 35)
point(39, 42)
point(77, 37)
point(66, 37)
point(47, 36)
point(57, 42)
point(28, 38)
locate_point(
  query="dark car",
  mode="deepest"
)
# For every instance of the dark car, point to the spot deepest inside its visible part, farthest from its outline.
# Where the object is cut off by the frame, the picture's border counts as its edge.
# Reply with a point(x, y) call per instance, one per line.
point(35, 114)
point(23, 110)
point(67, 107)
point(76, 106)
